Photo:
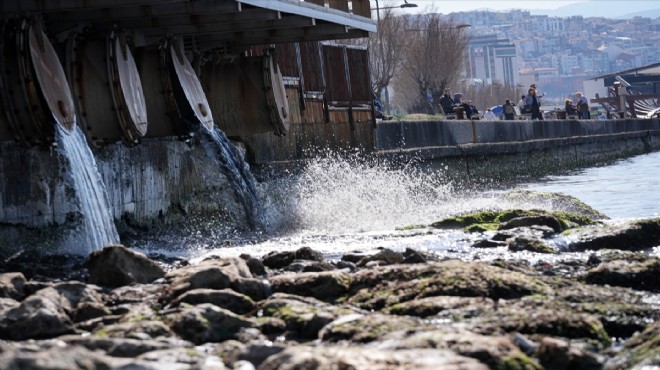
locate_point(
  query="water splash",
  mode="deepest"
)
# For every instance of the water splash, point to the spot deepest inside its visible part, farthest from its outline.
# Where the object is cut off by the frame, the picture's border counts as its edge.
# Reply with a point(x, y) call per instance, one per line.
point(337, 193)
point(98, 227)
point(240, 178)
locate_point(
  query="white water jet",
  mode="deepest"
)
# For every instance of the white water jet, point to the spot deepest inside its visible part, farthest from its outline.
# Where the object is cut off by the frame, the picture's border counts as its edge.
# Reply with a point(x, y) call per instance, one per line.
point(240, 178)
point(97, 228)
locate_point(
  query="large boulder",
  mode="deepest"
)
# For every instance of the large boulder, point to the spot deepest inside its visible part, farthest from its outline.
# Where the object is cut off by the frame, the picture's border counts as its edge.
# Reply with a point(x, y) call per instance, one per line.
point(632, 236)
point(116, 265)
point(223, 298)
point(36, 317)
point(343, 357)
point(325, 285)
point(12, 285)
point(303, 316)
point(643, 275)
point(214, 273)
point(207, 323)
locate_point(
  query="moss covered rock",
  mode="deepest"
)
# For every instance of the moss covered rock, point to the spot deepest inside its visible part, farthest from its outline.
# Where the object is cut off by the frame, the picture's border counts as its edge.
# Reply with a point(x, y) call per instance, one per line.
point(487, 220)
point(386, 286)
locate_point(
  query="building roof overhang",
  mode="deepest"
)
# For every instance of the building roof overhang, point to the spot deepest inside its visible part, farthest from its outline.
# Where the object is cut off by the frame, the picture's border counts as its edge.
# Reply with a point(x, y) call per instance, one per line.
point(212, 23)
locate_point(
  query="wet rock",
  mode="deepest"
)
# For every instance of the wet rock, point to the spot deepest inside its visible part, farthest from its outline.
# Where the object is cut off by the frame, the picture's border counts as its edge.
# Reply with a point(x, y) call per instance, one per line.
point(207, 323)
point(6, 304)
point(309, 266)
point(256, 289)
point(257, 353)
point(68, 358)
point(215, 273)
point(354, 257)
point(521, 243)
point(12, 285)
point(414, 256)
point(551, 321)
point(555, 353)
point(534, 231)
point(641, 352)
point(303, 316)
point(308, 254)
point(36, 317)
point(622, 311)
point(117, 265)
point(326, 286)
point(136, 293)
point(485, 243)
point(255, 265)
point(278, 260)
point(631, 236)
point(540, 220)
point(608, 255)
point(181, 358)
point(224, 298)
point(463, 307)
point(492, 220)
point(78, 300)
point(141, 330)
point(364, 328)
point(380, 287)
point(116, 347)
point(302, 357)
point(384, 257)
point(561, 201)
point(498, 352)
point(637, 275)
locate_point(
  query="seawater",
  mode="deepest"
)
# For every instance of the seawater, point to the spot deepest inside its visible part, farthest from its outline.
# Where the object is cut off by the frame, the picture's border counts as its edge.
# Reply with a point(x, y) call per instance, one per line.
point(97, 228)
point(343, 203)
point(628, 188)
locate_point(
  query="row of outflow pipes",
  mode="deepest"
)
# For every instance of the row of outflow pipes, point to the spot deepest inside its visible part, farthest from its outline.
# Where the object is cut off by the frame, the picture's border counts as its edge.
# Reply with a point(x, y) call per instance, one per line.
point(115, 93)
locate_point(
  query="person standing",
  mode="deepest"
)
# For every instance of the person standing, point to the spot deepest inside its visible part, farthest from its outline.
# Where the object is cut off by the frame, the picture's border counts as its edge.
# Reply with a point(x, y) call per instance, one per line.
point(534, 103)
point(582, 105)
point(509, 112)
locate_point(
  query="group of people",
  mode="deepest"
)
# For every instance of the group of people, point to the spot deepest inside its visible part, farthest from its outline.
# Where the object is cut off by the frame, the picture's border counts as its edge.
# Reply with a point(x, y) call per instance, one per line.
point(530, 103)
point(580, 108)
point(453, 105)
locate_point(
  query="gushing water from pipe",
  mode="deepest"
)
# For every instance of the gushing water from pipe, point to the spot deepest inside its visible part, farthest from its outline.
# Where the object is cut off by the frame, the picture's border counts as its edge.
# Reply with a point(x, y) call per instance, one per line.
point(97, 228)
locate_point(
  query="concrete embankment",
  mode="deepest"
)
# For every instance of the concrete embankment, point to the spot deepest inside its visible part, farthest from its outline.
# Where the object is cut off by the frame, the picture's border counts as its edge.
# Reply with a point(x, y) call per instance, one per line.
point(488, 150)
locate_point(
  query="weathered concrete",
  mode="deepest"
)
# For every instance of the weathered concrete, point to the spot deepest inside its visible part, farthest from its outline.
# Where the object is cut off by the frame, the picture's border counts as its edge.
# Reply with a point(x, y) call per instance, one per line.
point(482, 151)
point(154, 183)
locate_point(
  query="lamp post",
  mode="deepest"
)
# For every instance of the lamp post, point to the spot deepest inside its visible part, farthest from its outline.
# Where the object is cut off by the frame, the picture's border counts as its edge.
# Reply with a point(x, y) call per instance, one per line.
point(405, 4)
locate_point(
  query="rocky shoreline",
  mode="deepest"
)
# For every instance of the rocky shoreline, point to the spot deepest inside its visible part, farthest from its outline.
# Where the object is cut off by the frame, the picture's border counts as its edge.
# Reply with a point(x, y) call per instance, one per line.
point(119, 309)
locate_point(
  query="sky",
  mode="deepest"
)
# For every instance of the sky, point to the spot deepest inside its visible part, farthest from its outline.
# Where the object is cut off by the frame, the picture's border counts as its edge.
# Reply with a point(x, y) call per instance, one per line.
point(587, 8)
point(449, 6)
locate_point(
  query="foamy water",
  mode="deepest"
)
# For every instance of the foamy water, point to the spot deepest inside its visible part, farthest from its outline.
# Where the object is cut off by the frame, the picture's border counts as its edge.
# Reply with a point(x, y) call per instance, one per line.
point(338, 204)
point(97, 228)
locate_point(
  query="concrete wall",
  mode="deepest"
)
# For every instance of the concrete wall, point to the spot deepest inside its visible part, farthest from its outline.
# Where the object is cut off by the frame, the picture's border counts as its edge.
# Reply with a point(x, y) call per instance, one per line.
point(155, 184)
point(414, 135)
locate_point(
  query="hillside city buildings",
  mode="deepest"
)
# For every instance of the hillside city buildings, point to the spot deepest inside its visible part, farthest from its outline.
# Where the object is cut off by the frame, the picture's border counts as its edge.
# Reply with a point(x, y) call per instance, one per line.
point(517, 48)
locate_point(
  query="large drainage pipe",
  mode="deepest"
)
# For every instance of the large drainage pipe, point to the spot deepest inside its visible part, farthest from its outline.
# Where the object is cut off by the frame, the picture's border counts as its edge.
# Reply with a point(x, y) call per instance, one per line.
point(106, 83)
point(34, 90)
point(176, 102)
point(247, 95)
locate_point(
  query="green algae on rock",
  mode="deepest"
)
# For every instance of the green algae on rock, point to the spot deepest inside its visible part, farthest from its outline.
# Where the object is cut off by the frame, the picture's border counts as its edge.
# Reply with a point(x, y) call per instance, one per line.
point(480, 221)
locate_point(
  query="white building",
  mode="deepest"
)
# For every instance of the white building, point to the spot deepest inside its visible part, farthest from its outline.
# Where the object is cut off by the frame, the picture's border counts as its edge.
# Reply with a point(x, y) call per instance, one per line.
point(492, 59)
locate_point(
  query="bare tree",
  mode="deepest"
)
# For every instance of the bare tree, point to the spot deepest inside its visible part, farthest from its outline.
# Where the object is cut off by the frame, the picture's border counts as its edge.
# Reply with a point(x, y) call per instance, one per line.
point(434, 58)
point(386, 50)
